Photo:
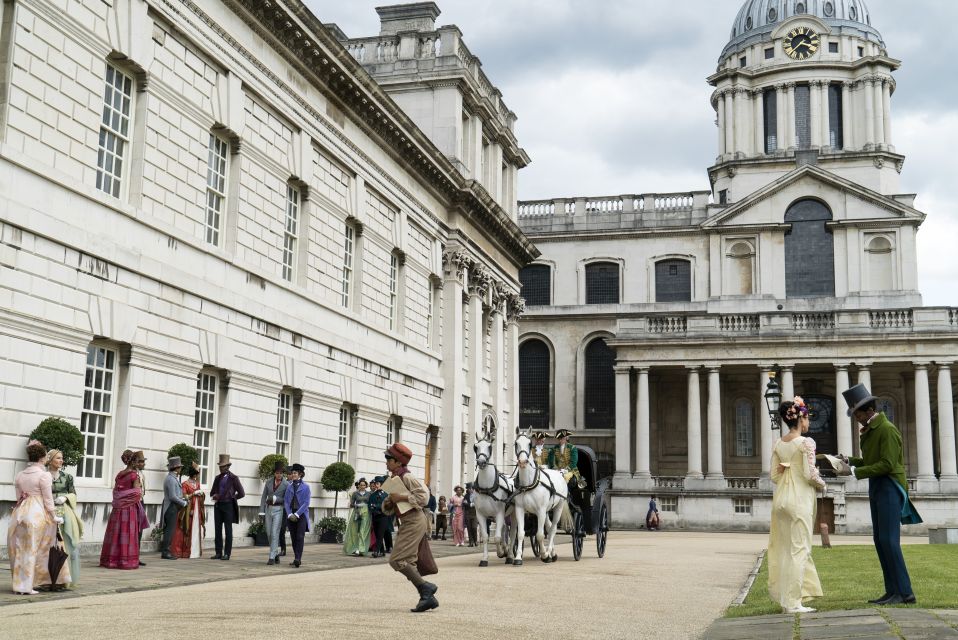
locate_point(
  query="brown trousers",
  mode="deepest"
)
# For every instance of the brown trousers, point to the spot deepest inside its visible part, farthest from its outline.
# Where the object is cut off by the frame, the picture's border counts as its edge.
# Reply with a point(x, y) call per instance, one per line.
point(412, 527)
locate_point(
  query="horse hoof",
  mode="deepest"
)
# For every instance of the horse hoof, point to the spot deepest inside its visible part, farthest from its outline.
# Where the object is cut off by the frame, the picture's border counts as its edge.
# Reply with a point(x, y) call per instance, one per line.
point(517, 563)
point(508, 560)
point(483, 563)
point(554, 557)
point(546, 559)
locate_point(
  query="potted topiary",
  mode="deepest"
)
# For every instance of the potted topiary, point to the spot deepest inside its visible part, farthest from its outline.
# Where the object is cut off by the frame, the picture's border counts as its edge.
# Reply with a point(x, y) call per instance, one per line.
point(268, 463)
point(332, 529)
point(257, 531)
point(187, 454)
point(57, 433)
point(336, 477)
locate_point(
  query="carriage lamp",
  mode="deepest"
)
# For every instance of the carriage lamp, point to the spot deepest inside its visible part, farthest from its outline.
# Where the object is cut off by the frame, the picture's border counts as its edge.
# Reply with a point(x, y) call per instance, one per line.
point(773, 398)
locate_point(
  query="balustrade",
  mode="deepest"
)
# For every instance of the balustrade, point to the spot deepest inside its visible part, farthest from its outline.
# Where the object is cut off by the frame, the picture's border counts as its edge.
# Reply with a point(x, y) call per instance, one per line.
point(895, 319)
point(668, 324)
point(668, 482)
point(742, 483)
point(953, 317)
point(645, 203)
point(604, 205)
point(813, 321)
point(739, 323)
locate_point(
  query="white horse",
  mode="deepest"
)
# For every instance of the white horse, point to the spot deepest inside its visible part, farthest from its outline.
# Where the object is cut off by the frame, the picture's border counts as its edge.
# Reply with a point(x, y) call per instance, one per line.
point(540, 491)
point(492, 499)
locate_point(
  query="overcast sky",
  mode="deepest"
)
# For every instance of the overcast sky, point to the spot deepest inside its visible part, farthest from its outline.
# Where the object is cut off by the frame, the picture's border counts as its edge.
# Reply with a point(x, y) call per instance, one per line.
point(611, 97)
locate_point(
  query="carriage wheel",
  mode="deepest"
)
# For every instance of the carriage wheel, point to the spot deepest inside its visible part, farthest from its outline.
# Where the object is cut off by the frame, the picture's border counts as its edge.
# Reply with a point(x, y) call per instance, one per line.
point(534, 544)
point(578, 535)
point(602, 531)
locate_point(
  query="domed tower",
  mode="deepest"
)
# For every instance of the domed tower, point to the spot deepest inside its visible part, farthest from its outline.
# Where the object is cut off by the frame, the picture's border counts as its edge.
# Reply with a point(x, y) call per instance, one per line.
point(803, 82)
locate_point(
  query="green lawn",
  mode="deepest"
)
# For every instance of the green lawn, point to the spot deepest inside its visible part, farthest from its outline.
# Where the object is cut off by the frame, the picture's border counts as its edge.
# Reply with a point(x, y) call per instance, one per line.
point(851, 576)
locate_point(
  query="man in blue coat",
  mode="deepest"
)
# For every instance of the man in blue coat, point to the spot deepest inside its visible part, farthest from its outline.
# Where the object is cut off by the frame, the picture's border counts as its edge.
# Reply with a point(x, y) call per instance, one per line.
point(297, 510)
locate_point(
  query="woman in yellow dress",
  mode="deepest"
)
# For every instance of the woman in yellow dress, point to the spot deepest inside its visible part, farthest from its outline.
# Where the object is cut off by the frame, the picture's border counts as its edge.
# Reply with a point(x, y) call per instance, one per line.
point(792, 577)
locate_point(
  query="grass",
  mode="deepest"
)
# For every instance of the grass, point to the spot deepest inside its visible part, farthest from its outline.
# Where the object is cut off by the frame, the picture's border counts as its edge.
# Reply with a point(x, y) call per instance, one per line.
point(851, 576)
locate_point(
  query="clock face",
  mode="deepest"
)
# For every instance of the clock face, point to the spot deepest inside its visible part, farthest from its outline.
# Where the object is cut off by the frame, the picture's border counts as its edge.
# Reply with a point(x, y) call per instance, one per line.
point(801, 43)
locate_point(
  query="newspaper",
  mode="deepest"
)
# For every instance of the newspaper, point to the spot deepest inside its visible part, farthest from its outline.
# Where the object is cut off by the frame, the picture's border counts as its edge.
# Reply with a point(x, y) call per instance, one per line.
point(835, 464)
point(396, 485)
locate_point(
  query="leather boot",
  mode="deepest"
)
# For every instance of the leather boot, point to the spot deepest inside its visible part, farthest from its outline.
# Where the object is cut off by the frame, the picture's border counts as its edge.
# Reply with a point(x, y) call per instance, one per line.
point(427, 597)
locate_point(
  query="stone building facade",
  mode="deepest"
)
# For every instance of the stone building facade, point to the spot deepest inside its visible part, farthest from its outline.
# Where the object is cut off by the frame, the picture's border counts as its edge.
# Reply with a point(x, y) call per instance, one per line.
point(217, 228)
point(653, 320)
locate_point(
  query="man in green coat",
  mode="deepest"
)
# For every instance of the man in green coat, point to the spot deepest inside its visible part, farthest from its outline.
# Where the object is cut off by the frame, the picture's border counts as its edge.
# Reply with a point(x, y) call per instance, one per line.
point(882, 462)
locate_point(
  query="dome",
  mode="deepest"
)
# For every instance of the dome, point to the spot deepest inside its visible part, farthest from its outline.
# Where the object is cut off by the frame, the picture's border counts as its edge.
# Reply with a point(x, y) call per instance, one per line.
point(758, 18)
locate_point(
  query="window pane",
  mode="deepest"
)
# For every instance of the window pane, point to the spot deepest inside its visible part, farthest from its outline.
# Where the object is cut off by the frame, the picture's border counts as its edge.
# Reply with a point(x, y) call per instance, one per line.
point(673, 281)
point(534, 379)
point(602, 283)
point(536, 285)
point(599, 386)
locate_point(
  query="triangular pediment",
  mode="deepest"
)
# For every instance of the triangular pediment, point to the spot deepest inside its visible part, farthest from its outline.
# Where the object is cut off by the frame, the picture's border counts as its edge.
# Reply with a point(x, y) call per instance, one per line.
point(848, 201)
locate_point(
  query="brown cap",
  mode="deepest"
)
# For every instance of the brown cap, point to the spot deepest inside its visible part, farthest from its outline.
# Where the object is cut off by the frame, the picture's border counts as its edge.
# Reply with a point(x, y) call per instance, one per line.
point(400, 452)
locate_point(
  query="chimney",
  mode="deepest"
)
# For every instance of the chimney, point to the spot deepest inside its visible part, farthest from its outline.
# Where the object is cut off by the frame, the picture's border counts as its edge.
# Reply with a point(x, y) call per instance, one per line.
point(397, 18)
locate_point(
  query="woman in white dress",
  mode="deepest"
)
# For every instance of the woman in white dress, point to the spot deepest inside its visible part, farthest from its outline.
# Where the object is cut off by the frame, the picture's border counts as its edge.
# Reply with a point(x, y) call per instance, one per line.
point(792, 577)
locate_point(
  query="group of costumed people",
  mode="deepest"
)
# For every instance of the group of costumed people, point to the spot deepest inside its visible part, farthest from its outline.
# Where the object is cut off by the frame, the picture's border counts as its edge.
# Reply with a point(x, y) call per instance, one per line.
point(792, 577)
point(368, 528)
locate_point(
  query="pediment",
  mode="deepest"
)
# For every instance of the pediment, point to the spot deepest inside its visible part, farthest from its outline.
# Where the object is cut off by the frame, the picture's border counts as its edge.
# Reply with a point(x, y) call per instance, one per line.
point(849, 202)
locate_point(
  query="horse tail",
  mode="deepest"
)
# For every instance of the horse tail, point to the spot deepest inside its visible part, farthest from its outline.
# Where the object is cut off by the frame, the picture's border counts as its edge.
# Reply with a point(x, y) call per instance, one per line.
point(565, 520)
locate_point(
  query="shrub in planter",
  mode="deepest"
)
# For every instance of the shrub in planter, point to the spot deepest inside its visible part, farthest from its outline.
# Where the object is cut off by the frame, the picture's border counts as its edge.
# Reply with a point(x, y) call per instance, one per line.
point(332, 529)
point(57, 433)
point(257, 531)
point(187, 454)
point(268, 463)
point(338, 477)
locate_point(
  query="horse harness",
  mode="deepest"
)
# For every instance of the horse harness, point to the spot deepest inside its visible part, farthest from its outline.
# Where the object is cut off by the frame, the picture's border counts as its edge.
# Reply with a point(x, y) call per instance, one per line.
point(495, 488)
point(538, 479)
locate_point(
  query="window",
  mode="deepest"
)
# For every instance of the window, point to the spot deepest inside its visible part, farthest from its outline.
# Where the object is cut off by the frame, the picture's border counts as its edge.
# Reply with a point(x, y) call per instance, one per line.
point(602, 283)
point(599, 385)
point(669, 504)
point(284, 423)
point(534, 381)
point(743, 61)
point(723, 196)
point(204, 420)
point(833, 47)
point(291, 233)
point(215, 188)
point(809, 251)
point(861, 52)
point(881, 271)
point(349, 238)
point(392, 429)
point(770, 53)
point(770, 109)
point(744, 429)
point(96, 420)
point(742, 506)
point(345, 425)
point(114, 131)
point(393, 290)
point(536, 284)
point(673, 281)
point(803, 116)
point(836, 133)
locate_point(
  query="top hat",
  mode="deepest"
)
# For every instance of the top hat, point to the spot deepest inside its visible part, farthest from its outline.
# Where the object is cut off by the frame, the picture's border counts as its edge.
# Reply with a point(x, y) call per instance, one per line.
point(400, 452)
point(563, 433)
point(224, 460)
point(173, 463)
point(194, 470)
point(379, 479)
point(279, 465)
point(856, 397)
point(298, 468)
point(539, 435)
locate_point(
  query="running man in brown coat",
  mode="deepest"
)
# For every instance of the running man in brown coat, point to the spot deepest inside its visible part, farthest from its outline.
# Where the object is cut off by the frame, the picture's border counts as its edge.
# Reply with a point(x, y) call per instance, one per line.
point(413, 524)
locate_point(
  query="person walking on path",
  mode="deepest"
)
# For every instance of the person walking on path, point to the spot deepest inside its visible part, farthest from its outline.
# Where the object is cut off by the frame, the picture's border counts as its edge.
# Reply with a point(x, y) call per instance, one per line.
point(442, 517)
point(65, 501)
point(227, 491)
point(652, 516)
point(471, 518)
point(121, 546)
point(379, 519)
point(191, 520)
point(296, 503)
point(33, 525)
point(173, 501)
point(413, 524)
point(792, 576)
point(356, 540)
point(272, 509)
point(458, 516)
point(882, 462)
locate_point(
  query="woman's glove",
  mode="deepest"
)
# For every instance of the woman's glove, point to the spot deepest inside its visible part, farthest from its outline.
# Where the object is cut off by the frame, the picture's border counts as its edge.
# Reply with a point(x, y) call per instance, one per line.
point(58, 520)
point(60, 500)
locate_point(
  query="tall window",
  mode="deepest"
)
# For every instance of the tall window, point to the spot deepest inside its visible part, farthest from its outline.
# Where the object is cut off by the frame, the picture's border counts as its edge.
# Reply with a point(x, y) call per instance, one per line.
point(536, 284)
point(534, 377)
point(602, 283)
point(673, 281)
point(836, 132)
point(770, 109)
point(290, 233)
point(284, 422)
point(204, 420)
point(809, 251)
point(392, 429)
point(114, 130)
point(393, 290)
point(98, 406)
point(349, 242)
point(342, 442)
point(744, 428)
point(215, 188)
point(803, 116)
point(599, 385)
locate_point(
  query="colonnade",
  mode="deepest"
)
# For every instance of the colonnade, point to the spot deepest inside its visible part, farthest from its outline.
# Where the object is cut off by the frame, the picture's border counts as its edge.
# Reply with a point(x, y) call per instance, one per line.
point(846, 432)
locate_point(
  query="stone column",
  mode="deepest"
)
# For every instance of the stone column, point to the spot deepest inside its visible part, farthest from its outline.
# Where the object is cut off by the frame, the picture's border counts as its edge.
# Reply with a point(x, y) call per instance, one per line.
point(694, 426)
point(781, 113)
point(886, 110)
point(865, 378)
point(730, 114)
point(879, 112)
point(743, 132)
point(642, 467)
point(720, 109)
point(815, 113)
point(623, 438)
point(765, 423)
point(715, 426)
point(790, 115)
point(843, 423)
point(926, 462)
point(455, 265)
point(848, 125)
point(826, 111)
point(948, 463)
point(477, 357)
point(869, 88)
point(788, 389)
point(758, 123)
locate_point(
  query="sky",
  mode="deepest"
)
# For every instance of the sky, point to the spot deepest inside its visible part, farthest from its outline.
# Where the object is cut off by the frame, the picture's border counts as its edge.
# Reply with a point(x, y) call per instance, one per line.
point(611, 97)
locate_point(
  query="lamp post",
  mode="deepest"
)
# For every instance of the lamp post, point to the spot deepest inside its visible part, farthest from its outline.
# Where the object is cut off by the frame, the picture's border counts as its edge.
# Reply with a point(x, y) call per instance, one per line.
point(773, 398)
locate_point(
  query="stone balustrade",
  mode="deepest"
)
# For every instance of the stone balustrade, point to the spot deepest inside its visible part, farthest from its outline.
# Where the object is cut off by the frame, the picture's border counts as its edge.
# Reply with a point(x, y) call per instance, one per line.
point(742, 483)
point(894, 319)
point(669, 482)
point(686, 202)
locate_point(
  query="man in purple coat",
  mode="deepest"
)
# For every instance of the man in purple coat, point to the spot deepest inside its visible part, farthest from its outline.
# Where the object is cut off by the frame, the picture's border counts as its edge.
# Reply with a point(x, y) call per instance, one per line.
point(226, 492)
point(297, 510)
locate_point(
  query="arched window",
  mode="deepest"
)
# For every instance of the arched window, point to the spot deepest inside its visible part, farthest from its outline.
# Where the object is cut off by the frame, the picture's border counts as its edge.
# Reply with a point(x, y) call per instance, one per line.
point(534, 378)
point(740, 260)
point(744, 428)
point(599, 385)
point(809, 251)
point(602, 283)
point(536, 285)
point(880, 265)
point(673, 281)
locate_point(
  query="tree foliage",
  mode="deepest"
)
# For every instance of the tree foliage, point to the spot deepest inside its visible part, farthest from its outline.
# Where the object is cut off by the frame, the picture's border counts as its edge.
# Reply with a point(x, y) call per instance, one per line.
point(268, 463)
point(338, 477)
point(187, 453)
point(57, 433)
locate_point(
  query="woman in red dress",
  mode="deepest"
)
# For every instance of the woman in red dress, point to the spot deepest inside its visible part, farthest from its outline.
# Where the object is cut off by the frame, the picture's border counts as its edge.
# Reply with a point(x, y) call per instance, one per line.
point(121, 549)
point(191, 520)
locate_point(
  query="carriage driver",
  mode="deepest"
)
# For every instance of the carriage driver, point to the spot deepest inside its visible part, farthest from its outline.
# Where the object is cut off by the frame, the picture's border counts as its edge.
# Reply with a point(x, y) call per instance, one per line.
point(565, 458)
point(540, 455)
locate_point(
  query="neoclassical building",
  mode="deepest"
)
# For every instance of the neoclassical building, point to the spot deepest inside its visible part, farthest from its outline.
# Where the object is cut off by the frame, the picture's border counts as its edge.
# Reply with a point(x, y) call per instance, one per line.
point(654, 320)
point(222, 227)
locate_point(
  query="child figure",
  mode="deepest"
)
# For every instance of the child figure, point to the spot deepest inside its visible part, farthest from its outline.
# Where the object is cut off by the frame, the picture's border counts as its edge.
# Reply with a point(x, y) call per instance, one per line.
point(442, 516)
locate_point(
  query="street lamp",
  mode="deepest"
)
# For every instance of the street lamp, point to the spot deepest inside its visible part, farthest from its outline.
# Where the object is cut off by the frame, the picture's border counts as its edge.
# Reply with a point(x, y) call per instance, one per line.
point(773, 398)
